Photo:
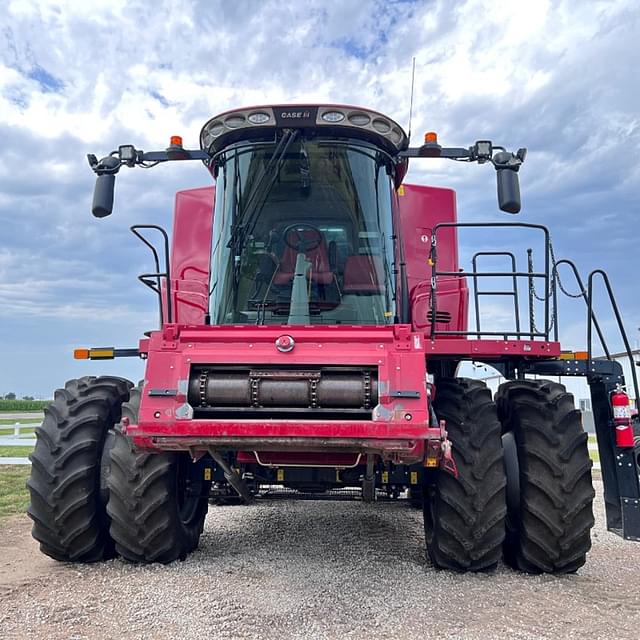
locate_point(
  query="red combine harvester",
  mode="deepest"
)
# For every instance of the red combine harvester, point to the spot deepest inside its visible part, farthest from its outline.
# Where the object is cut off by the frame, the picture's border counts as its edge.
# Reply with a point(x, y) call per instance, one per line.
point(313, 317)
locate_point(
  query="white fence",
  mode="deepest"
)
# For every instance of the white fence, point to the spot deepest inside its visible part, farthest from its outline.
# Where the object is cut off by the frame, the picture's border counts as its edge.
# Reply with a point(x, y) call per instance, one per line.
point(18, 438)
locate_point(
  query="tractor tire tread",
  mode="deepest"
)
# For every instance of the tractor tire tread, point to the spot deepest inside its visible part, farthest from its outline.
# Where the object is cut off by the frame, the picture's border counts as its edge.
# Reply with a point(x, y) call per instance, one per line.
point(556, 493)
point(145, 523)
point(68, 518)
point(469, 526)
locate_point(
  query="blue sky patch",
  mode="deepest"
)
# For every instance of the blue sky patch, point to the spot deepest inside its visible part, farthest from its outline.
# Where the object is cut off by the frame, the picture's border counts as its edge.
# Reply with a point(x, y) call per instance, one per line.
point(159, 97)
point(555, 77)
point(48, 82)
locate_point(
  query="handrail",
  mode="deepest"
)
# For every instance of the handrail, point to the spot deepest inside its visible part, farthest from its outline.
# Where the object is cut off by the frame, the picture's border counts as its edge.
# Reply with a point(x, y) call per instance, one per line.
point(616, 311)
point(545, 275)
point(551, 276)
point(477, 293)
point(144, 278)
point(583, 295)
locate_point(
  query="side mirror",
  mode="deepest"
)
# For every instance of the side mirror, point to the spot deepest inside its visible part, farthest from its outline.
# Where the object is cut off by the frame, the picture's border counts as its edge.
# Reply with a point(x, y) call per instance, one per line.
point(105, 184)
point(508, 191)
point(103, 195)
point(507, 166)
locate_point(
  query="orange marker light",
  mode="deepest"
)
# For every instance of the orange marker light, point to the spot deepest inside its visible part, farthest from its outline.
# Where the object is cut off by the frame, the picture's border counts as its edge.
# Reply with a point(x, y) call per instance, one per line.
point(81, 354)
point(176, 141)
point(430, 136)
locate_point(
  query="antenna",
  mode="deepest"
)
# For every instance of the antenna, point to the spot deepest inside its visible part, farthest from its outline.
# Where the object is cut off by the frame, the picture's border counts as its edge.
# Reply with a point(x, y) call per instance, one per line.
point(413, 78)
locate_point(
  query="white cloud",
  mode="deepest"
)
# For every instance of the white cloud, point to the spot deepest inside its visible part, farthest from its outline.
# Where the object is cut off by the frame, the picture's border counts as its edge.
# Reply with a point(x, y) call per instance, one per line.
point(78, 77)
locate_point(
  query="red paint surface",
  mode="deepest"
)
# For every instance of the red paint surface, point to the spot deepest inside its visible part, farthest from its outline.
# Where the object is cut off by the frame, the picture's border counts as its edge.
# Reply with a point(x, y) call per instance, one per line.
point(421, 208)
point(400, 353)
point(191, 253)
point(397, 352)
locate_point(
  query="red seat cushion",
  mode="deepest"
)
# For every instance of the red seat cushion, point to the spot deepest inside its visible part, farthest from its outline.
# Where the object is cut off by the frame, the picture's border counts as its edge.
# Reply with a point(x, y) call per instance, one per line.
point(320, 270)
point(362, 274)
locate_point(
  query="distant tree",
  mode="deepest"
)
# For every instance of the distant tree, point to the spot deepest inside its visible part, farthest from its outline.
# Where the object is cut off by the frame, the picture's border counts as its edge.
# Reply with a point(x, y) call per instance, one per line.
point(28, 398)
point(10, 396)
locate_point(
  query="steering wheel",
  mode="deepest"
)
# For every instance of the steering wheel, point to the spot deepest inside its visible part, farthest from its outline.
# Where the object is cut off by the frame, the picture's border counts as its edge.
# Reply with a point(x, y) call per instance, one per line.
point(296, 238)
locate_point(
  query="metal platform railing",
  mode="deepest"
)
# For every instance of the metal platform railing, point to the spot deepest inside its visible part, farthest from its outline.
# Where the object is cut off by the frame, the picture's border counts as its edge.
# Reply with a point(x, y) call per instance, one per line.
point(550, 279)
point(548, 298)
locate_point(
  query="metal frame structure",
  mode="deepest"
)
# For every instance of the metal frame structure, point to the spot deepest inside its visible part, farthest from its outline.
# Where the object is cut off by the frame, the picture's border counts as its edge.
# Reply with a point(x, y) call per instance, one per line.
point(400, 429)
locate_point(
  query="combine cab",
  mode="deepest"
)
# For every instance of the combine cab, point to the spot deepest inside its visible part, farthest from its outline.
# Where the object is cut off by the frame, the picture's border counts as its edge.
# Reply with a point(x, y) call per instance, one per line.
point(313, 319)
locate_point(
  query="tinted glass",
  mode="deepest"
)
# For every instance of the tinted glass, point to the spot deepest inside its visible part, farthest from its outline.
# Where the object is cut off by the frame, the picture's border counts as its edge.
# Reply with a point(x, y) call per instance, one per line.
point(303, 235)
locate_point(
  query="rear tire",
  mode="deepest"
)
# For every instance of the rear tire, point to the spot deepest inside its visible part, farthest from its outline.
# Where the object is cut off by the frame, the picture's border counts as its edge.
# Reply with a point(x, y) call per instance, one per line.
point(464, 517)
point(550, 531)
point(154, 517)
point(67, 505)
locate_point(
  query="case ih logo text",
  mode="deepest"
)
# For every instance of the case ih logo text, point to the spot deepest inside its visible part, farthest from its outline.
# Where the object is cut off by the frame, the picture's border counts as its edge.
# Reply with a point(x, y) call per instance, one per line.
point(295, 114)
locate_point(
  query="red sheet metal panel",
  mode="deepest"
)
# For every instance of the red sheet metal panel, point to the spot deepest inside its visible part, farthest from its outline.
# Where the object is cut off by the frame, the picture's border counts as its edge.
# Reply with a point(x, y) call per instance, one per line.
point(421, 208)
point(191, 253)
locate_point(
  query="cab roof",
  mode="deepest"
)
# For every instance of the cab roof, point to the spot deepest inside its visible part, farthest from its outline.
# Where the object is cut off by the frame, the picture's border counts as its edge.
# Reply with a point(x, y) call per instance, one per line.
point(330, 119)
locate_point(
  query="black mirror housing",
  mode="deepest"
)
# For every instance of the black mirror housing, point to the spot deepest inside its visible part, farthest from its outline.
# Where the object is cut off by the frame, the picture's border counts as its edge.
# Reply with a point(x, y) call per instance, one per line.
point(507, 165)
point(105, 184)
point(508, 190)
point(103, 195)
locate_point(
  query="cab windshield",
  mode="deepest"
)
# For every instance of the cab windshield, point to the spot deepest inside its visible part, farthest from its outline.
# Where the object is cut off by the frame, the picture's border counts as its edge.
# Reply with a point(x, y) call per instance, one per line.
point(303, 234)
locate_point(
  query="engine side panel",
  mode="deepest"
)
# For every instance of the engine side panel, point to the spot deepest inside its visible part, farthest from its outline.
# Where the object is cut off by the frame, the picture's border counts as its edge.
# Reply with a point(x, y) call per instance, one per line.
point(421, 208)
point(190, 254)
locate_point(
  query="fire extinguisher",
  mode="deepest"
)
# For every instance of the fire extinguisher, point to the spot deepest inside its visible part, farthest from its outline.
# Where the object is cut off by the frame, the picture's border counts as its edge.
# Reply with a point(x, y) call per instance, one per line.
point(622, 417)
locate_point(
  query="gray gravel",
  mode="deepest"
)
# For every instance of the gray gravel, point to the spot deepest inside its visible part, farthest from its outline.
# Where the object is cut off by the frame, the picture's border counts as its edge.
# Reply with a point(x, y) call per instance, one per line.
point(297, 569)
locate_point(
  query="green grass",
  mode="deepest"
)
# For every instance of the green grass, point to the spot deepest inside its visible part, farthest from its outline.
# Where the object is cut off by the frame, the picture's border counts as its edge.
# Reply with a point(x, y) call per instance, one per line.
point(23, 405)
point(14, 497)
point(6, 421)
point(15, 452)
point(9, 431)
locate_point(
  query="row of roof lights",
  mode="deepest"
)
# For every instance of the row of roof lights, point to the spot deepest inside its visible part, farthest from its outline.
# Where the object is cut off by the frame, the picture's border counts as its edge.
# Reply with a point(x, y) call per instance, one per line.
point(359, 119)
point(331, 116)
point(260, 117)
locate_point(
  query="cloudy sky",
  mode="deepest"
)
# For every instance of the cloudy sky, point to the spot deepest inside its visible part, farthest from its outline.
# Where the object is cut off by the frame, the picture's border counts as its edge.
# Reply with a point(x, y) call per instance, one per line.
point(561, 78)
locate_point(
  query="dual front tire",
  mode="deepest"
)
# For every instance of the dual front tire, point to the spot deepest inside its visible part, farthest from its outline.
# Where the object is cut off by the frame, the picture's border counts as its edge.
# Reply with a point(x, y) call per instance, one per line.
point(523, 489)
point(93, 497)
point(464, 515)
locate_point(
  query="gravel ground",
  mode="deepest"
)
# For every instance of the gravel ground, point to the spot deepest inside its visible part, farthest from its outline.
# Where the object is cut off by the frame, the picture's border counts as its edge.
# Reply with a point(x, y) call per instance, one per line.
point(298, 569)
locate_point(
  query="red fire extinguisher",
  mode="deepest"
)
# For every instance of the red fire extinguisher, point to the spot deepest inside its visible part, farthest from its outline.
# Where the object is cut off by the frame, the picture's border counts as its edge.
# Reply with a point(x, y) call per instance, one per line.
point(622, 417)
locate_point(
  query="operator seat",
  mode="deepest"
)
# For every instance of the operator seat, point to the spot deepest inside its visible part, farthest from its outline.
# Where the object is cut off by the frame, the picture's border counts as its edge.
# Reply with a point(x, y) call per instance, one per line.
point(363, 275)
point(320, 271)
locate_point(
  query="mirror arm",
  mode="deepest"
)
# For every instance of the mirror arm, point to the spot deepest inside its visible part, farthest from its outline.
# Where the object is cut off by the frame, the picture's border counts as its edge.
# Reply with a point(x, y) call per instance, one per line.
point(130, 156)
point(432, 150)
point(127, 155)
point(506, 164)
point(172, 154)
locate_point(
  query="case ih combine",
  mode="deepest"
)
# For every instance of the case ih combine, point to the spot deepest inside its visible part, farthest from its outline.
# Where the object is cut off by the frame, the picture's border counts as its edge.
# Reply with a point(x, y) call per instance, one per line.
point(313, 315)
